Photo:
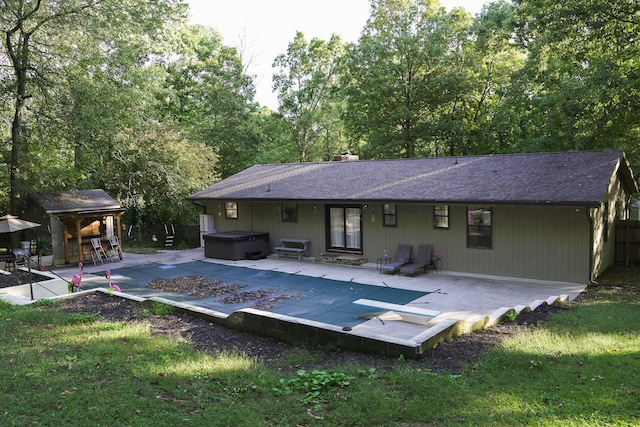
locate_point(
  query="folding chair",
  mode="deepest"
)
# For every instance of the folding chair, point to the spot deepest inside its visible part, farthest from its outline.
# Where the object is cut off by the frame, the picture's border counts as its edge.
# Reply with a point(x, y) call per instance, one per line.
point(115, 246)
point(97, 252)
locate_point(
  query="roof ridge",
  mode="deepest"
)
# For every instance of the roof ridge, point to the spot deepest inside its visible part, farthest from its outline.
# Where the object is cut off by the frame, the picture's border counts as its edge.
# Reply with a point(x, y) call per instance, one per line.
point(465, 156)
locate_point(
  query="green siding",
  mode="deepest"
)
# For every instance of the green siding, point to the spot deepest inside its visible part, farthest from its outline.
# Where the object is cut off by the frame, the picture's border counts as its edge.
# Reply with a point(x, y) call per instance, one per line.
point(546, 243)
point(538, 242)
point(604, 248)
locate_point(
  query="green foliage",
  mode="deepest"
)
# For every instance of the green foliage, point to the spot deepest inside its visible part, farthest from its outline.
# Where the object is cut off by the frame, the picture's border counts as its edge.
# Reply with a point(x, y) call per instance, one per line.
point(306, 81)
point(47, 45)
point(577, 89)
point(75, 318)
point(208, 95)
point(160, 309)
point(43, 302)
point(403, 78)
point(511, 316)
point(312, 384)
point(152, 172)
point(42, 245)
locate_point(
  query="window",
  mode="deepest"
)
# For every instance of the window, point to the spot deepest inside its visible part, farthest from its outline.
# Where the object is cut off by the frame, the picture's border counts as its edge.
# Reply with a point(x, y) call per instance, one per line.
point(441, 216)
point(289, 212)
point(479, 227)
point(231, 210)
point(389, 214)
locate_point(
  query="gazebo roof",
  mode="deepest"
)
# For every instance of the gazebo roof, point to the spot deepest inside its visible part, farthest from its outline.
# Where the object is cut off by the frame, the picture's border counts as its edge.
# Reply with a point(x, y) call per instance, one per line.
point(76, 202)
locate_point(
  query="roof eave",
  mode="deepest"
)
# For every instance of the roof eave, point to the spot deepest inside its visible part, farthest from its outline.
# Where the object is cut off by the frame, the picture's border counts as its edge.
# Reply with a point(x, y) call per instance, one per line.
point(578, 203)
point(85, 211)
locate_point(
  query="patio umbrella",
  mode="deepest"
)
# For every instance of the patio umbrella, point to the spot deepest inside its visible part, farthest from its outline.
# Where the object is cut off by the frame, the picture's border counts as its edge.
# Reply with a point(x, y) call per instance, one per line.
point(11, 223)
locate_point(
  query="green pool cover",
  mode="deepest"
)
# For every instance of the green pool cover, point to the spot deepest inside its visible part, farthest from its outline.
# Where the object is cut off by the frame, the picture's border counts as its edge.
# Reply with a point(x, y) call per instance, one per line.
point(314, 298)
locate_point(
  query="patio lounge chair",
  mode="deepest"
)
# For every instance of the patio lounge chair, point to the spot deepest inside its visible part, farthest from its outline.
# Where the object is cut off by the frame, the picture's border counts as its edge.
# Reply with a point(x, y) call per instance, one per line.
point(422, 261)
point(403, 257)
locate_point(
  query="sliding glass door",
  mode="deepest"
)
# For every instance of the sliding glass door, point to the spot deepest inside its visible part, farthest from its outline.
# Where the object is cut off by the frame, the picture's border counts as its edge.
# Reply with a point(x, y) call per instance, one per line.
point(344, 228)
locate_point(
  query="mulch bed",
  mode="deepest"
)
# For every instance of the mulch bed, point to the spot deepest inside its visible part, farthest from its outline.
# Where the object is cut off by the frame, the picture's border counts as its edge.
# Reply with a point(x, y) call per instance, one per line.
point(20, 277)
point(448, 357)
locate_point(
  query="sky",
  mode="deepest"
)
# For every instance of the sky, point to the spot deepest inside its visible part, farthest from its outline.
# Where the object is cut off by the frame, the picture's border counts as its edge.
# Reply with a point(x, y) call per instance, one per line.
point(264, 28)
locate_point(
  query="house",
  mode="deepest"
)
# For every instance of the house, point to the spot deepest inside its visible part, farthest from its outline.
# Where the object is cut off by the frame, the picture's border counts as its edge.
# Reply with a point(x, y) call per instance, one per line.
point(73, 218)
point(543, 216)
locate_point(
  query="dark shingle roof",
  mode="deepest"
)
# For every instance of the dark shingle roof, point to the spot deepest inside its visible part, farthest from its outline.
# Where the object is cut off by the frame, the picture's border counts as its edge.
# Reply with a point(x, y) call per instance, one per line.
point(75, 201)
point(579, 177)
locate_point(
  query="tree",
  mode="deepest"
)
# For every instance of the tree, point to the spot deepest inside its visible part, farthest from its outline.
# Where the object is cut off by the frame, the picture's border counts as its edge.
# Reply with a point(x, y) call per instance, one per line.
point(400, 80)
point(152, 170)
point(42, 37)
point(493, 126)
point(306, 79)
point(209, 95)
point(581, 77)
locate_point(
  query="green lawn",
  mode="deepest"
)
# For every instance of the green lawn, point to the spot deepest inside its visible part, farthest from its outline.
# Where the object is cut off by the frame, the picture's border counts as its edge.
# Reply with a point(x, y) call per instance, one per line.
point(581, 368)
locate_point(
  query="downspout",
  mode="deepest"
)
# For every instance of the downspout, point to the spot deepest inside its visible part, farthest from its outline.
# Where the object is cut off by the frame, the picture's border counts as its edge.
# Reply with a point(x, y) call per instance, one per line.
point(627, 237)
point(591, 243)
point(251, 213)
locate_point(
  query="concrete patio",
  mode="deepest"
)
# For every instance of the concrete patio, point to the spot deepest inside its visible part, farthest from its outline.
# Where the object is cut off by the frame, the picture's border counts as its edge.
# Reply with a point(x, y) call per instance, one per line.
point(466, 303)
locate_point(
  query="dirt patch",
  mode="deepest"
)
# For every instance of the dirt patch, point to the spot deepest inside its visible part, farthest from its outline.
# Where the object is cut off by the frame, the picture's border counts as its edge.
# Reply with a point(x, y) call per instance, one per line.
point(20, 277)
point(448, 357)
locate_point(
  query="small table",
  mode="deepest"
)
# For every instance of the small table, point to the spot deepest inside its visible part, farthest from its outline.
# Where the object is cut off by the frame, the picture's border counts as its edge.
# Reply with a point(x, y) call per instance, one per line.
point(382, 261)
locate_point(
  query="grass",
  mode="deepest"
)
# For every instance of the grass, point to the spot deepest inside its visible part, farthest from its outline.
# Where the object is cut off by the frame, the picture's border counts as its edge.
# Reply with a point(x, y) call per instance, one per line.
point(582, 368)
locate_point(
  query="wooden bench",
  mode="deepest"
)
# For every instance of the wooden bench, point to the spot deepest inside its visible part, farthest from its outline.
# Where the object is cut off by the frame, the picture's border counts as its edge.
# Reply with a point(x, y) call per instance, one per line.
point(407, 313)
point(297, 247)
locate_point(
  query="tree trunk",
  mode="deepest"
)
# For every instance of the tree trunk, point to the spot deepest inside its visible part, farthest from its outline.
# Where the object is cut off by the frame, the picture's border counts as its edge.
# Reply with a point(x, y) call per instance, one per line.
point(19, 54)
point(16, 150)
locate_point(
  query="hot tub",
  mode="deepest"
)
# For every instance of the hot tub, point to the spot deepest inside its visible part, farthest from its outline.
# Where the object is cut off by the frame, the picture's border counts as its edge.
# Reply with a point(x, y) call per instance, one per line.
point(235, 245)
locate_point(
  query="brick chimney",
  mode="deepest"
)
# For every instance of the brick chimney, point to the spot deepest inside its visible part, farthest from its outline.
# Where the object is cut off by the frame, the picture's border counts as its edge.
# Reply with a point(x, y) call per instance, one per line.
point(345, 156)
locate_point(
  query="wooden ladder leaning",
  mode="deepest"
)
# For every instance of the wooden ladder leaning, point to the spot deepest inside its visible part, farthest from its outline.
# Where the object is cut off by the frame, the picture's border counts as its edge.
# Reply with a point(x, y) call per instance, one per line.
point(168, 240)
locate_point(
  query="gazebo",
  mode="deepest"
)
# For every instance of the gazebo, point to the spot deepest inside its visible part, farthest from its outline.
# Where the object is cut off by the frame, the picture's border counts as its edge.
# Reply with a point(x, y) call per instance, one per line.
point(73, 218)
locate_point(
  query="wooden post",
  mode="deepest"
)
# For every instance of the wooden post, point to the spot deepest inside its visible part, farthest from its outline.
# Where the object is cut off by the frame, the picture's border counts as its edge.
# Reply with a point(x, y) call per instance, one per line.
point(626, 241)
point(79, 235)
point(65, 241)
point(119, 228)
